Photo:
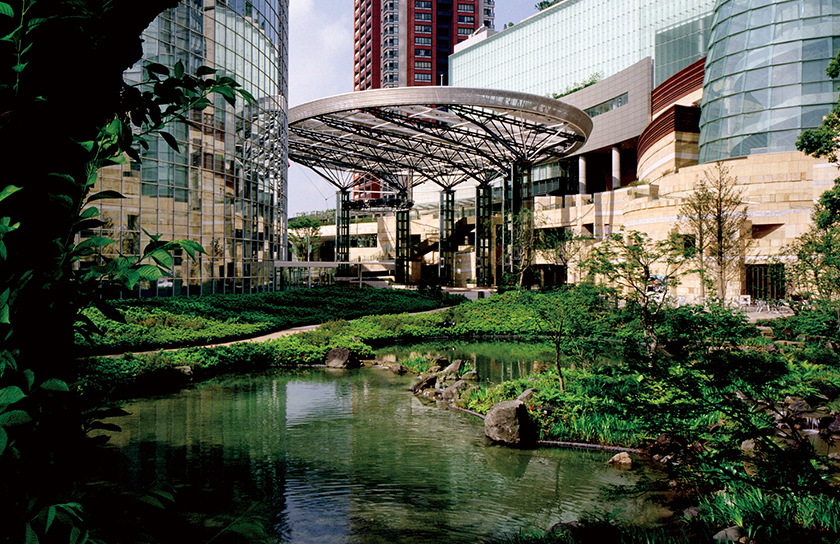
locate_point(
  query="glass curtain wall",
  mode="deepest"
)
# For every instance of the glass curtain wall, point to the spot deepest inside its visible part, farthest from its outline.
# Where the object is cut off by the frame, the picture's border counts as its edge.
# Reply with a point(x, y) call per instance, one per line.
point(765, 75)
point(226, 186)
point(563, 46)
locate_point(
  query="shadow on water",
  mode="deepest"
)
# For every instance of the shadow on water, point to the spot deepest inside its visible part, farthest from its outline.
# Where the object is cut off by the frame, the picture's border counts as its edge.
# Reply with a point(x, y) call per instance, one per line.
point(352, 458)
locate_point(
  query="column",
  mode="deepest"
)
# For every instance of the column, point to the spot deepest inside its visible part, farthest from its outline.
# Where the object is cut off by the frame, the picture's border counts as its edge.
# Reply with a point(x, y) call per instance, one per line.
point(616, 168)
point(483, 224)
point(446, 263)
point(582, 175)
point(342, 232)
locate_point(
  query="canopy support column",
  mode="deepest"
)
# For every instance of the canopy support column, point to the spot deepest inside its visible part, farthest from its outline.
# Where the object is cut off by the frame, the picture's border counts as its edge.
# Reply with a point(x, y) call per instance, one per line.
point(483, 224)
point(519, 220)
point(342, 229)
point(446, 263)
point(403, 242)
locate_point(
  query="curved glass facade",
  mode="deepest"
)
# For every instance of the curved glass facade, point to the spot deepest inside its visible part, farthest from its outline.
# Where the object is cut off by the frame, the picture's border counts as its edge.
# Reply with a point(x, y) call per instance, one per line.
point(562, 46)
point(765, 75)
point(226, 186)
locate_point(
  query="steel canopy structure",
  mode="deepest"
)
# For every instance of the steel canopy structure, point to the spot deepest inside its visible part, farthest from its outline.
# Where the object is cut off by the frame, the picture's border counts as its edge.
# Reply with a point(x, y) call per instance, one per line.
point(446, 135)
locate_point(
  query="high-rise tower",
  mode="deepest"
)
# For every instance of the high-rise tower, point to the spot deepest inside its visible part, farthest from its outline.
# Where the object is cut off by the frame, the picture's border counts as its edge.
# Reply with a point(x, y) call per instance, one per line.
point(402, 43)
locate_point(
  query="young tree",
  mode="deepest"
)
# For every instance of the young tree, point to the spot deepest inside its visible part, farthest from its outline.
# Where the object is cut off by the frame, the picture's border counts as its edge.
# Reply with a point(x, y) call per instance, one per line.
point(812, 264)
point(561, 246)
point(574, 317)
point(715, 214)
point(644, 269)
point(696, 215)
point(545, 4)
point(305, 237)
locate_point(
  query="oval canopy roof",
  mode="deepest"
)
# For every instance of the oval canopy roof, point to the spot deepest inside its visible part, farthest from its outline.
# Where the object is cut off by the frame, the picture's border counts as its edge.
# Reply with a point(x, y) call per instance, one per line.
point(443, 134)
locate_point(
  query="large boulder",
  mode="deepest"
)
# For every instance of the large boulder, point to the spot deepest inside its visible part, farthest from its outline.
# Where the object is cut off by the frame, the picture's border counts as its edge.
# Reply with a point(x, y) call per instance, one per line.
point(508, 422)
point(341, 358)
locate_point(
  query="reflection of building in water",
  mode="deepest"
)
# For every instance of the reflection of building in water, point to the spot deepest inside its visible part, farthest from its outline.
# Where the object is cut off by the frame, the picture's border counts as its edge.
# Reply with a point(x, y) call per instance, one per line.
point(226, 186)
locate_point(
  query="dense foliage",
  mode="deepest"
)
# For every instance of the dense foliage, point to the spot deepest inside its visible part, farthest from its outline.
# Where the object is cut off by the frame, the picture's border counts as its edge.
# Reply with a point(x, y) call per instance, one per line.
point(184, 321)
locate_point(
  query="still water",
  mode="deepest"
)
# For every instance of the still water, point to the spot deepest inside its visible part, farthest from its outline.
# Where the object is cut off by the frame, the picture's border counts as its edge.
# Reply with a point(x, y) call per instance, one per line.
point(352, 457)
point(495, 361)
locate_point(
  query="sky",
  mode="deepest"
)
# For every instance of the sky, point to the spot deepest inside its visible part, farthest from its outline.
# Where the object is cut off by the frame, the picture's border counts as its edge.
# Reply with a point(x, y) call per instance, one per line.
point(321, 65)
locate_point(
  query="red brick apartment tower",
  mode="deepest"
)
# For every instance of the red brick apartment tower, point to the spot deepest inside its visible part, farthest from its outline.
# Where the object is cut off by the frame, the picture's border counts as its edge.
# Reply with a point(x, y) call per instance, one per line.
point(368, 39)
point(402, 43)
point(405, 43)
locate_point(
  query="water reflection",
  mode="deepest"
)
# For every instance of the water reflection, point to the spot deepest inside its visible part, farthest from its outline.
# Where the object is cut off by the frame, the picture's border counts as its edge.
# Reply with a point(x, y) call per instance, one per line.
point(354, 459)
point(494, 361)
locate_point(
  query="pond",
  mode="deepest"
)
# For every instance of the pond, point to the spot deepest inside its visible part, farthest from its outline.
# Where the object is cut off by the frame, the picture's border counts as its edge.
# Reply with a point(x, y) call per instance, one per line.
point(352, 457)
point(495, 361)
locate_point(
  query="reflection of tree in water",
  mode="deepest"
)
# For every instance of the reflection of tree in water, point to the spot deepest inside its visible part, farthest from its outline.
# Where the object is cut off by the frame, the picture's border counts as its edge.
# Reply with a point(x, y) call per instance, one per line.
point(352, 457)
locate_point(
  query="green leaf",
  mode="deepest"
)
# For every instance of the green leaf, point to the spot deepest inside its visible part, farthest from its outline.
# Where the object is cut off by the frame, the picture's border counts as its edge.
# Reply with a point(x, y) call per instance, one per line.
point(50, 518)
point(169, 139)
point(30, 378)
point(4, 440)
point(11, 395)
point(8, 190)
point(92, 211)
point(98, 425)
point(54, 384)
point(19, 67)
point(205, 71)
point(155, 68)
point(178, 72)
point(6, 9)
point(162, 257)
point(104, 194)
point(14, 417)
point(31, 537)
point(152, 501)
point(149, 272)
point(96, 241)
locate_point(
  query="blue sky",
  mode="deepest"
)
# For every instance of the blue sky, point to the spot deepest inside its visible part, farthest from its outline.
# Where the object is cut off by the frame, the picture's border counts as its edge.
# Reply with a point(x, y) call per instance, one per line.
point(321, 64)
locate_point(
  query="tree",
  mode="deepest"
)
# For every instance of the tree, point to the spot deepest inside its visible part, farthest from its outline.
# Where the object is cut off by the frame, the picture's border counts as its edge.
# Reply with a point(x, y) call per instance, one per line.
point(561, 246)
point(644, 269)
point(696, 214)
point(715, 215)
point(574, 317)
point(66, 113)
point(812, 265)
point(304, 234)
point(545, 4)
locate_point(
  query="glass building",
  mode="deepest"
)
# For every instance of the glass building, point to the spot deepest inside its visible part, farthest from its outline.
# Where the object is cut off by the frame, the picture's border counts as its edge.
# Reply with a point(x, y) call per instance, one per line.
point(565, 45)
point(765, 75)
point(226, 185)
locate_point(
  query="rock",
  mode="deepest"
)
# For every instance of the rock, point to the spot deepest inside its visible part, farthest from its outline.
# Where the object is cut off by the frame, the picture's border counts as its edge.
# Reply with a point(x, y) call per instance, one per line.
point(621, 459)
point(433, 369)
point(471, 376)
point(452, 370)
point(834, 426)
point(341, 358)
point(799, 406)
point(454, 391)
point(425, 382)
point(508, 422)
point(186, 370)
point(731, 534)
point(766, 332)
point(527, 395)
point(398, 369)
point(690, 513)
point(771, 348)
